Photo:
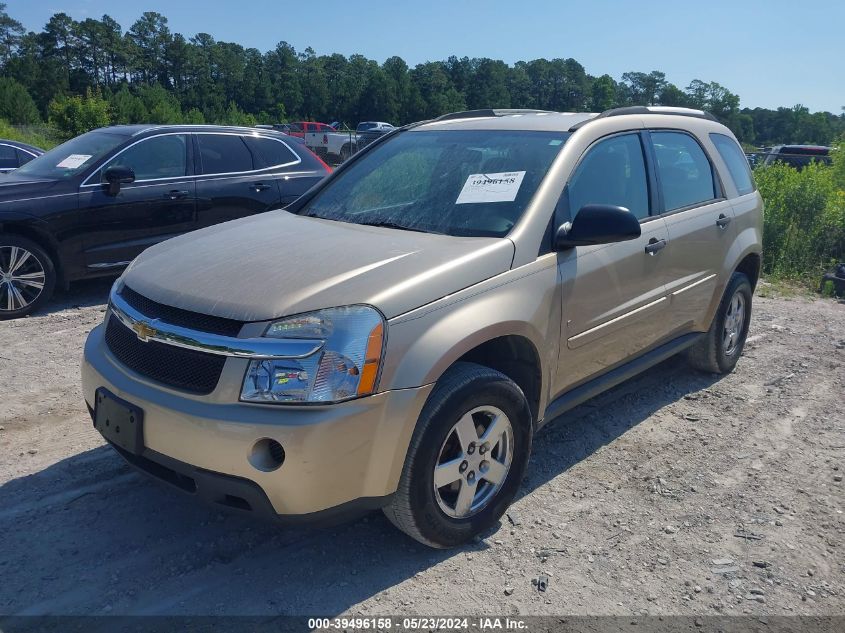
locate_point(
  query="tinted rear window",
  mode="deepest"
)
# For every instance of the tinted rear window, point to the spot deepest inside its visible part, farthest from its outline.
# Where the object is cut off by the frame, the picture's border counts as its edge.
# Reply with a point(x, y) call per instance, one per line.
point(271, 151)
point(736, 161)
point(224, 153)
point(804, 151)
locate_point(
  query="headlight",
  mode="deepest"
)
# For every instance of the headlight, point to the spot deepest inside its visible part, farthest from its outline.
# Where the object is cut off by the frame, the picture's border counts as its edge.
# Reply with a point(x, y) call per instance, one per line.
point(347, 366)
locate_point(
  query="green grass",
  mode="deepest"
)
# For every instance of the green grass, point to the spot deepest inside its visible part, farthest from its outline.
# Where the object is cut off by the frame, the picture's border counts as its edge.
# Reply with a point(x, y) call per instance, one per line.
point(804, 226)
point(40, 136)
point(779, 288)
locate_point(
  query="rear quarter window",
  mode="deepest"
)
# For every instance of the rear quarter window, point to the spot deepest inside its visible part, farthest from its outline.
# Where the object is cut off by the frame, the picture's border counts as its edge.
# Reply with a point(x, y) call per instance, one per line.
point(736, 162)
point(272, 152)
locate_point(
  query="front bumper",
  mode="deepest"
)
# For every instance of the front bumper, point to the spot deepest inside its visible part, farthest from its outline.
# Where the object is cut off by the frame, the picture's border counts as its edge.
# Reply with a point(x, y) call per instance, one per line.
point(345, 455)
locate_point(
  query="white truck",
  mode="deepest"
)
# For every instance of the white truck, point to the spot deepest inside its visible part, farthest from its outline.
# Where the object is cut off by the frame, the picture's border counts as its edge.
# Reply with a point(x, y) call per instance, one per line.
point(324, 140)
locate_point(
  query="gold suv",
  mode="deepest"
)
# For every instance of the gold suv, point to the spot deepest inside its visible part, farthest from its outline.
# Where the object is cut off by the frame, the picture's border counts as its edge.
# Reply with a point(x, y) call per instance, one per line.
point(395, 337)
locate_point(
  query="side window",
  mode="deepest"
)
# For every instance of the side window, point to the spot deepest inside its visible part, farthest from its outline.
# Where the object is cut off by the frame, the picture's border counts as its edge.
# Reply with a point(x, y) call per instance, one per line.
point(8, 157)
point(685, 173)
point(24, 157)
point(224, 154)
point(157, 157)
point(612, 172)
point(735, 160)
point(272, 152)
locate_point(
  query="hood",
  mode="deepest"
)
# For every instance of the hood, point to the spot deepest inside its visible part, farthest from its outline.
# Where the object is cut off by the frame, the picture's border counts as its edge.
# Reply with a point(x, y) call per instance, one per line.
point(14, 187)
point(277, 264)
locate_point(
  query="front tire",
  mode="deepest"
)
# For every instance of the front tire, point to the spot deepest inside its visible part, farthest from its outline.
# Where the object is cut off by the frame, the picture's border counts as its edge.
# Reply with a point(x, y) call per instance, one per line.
point(719, 350)
point(466, 459)
point(27, 277)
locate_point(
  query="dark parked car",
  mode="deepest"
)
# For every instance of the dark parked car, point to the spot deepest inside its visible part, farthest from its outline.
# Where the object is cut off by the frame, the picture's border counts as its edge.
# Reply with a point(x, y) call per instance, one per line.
point(14, 154)
point(369, 131)
point(798, 156)
point(88, 207)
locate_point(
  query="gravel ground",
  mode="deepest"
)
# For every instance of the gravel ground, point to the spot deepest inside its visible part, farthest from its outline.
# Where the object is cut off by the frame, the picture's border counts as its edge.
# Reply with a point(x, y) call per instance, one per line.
point(675, 493)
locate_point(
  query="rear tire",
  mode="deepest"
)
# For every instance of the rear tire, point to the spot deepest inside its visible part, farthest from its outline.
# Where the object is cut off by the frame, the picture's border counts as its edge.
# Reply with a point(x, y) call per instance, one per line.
point(719, 350)
point(27, 276)
point(457, 481)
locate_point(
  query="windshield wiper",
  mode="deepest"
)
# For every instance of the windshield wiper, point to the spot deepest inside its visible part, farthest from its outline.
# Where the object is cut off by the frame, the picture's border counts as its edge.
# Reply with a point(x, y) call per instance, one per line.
point(393, 225)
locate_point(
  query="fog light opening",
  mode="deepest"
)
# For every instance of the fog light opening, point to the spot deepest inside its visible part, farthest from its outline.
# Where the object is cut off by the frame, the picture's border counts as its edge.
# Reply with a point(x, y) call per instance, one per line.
point(267, 455)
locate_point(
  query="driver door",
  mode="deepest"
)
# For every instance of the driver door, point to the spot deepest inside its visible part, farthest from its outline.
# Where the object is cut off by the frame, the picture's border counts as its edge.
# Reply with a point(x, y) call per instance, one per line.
point(159, 204)
point(614, 295)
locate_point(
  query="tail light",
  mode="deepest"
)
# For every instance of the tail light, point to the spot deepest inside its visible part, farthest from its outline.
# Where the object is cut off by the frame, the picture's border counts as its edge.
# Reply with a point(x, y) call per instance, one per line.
point(323, 163)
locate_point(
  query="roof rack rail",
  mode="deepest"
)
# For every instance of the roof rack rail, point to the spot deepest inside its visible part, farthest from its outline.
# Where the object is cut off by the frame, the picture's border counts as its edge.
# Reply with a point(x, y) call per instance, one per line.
point(691, 112)
point(486, 112)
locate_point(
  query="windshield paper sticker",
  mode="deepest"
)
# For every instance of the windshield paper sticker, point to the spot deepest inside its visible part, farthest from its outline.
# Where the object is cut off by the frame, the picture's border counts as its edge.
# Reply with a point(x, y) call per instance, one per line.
point(73, 161)
point(501, 187)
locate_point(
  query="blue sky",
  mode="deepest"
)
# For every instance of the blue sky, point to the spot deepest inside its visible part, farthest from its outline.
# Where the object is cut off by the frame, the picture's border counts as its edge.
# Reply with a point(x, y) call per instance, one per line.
point(772, 53)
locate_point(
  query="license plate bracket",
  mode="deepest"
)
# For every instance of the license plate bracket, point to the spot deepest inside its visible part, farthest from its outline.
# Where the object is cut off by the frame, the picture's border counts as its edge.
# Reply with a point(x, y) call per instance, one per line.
point(120, 422)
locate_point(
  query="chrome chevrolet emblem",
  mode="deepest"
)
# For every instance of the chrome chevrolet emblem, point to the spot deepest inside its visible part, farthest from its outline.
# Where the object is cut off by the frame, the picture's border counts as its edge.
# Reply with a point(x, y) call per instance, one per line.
point(143, 330)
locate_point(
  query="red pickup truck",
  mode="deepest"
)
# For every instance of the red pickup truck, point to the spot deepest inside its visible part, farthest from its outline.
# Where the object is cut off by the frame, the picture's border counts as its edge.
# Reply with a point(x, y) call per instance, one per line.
point(300, 128)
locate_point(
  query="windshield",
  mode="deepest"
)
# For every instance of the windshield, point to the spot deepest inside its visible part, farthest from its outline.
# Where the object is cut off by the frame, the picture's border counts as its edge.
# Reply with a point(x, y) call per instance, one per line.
point(73, 157)
point(457, 182)
point(363, 127)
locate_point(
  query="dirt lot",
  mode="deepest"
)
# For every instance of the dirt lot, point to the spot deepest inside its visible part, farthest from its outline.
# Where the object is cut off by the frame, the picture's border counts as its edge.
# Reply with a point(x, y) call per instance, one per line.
point(676, 493)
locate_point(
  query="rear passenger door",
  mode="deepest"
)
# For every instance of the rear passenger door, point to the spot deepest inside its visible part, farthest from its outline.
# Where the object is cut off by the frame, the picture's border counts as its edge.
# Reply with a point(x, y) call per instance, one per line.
point(232, 183)
point(700, 224)
point(283, 164)
point(614, 303)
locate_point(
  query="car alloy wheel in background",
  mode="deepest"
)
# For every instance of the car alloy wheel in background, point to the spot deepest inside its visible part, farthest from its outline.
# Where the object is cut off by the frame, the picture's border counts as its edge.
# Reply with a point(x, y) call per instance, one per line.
point(22, 278)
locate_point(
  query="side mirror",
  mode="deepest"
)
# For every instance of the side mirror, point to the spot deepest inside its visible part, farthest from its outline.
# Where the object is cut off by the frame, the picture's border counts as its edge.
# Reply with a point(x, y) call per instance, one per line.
point(598, 224)
point(116, 176)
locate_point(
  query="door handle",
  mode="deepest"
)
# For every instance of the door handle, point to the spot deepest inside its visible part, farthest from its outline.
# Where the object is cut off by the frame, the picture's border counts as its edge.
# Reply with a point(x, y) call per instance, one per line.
point(176, 194)
point(655, 245)
point(723, 221)
point(259, 186)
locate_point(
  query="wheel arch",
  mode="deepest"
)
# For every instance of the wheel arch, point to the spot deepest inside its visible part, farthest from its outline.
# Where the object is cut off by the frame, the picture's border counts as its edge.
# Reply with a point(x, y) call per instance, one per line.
point(518, 359)
point(750, 265)
point(510, 347)
point(31, 231)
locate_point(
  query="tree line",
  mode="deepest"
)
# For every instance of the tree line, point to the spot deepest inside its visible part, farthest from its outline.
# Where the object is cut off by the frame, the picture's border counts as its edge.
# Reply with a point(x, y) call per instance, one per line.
point(79, 74)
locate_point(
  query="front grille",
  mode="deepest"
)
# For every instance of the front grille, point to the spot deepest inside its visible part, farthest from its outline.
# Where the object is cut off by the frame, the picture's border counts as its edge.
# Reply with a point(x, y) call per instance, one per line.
point(184, 369)
point(182, 318)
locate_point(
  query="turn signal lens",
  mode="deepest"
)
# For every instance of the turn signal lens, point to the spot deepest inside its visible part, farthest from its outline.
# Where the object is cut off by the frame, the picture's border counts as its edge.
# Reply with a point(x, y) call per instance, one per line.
point(372, 359)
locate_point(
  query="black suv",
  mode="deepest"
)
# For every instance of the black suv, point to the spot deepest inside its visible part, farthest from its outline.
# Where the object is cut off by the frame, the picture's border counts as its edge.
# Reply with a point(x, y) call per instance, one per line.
point(91, 205)
point(798, 156)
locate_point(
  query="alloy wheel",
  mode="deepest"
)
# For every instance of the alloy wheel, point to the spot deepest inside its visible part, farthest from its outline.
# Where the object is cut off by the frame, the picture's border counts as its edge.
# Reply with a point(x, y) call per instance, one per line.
point(734, 323)
point(473, 462)
point(22, 278)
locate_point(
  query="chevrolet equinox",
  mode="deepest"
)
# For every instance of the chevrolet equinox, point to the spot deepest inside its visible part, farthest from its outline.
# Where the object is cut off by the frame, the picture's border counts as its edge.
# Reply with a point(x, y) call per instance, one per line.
point(396, 336)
